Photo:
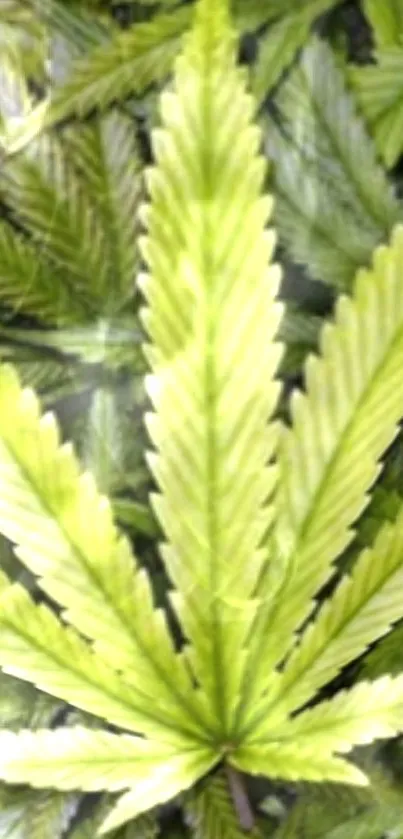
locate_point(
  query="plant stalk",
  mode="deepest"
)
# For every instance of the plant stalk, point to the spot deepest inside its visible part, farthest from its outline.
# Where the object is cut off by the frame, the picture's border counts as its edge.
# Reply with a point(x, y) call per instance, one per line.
point(240, 799)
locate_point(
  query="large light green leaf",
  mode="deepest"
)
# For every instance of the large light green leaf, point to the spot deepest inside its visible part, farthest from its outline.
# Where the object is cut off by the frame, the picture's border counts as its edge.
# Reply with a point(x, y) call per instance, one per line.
point(369, 711)
point(46, 507)
point(35, 646)
point(211, 318)
point(333, 201)
point(329, 460)
point(363, 608)
point(297, 761)
point(379, 90)
point(88, 759)
point(172, 776)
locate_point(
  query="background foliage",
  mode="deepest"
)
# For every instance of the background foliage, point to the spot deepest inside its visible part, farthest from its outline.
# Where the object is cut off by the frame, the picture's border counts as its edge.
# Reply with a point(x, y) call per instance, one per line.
point(79, 82)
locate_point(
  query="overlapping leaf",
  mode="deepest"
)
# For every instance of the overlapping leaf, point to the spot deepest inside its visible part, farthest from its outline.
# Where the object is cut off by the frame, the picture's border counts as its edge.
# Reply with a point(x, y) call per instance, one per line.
point(89, 759)
point(333, 201)
point(22, 37)
point(28, 282)
point(21, 706)
point(251, 14)
point(313, 739)
point(280, 44)
point(308, 746)
point(105, 153)
point(65, 233)
point(363, 608)
point(386, 657)
point(45, 508)
point(295, 761)
point(25, 814)
point(36, 647)
point(212, 319)
point(378, 822)
point(145, 827)
point(329, 460)
point(369, 711)
point(130, 62)
point(210, 812)
point(379, 92)
point(299, 331)
point(44, 191)
point(387, 21)
point(72, 23)
point(332, 811)
point(248, 546)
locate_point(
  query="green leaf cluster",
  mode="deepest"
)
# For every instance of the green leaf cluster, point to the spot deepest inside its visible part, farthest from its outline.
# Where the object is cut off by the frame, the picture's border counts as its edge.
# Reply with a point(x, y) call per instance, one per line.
point(271, 524)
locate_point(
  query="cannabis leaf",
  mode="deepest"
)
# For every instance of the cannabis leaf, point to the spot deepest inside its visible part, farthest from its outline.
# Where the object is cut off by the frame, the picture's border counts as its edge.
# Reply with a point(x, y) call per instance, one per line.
point(198, 286)
point(317, 503)
point(47, 473)
point(76, 200)
point(27, 282)
point(386, 657)
point(145, 827)
point(22, 37)
point(380, 94)
point(23, 812)
point(333, 201)
point(35, 815)
point(325, 811)
point(299, 331)
point(105, 152)
point(210, 812)
point(42, 188)
point(387, 21)
point(253, 512)
point(251, 14)
point(281, 42)
point(128, 64)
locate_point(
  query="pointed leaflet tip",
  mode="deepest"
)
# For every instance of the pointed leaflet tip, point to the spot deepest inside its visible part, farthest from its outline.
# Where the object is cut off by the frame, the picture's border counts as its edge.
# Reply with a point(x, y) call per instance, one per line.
point(212, 18)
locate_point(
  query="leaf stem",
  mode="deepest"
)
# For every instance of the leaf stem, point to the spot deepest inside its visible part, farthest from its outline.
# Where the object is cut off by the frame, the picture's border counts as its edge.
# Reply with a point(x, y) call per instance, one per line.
point(240, 799)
